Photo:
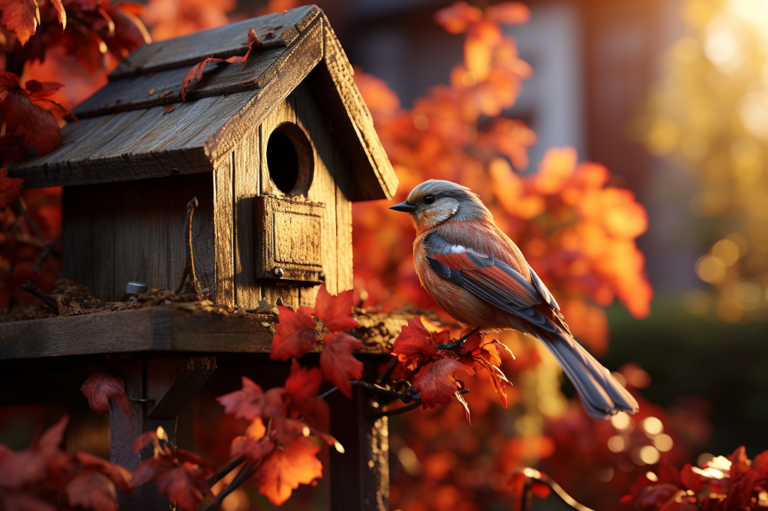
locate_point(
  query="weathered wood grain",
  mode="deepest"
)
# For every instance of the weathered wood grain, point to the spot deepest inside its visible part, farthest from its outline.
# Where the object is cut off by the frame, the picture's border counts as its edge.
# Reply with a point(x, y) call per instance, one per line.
point(360, 476)
point(174, 381)
point(223, 290)
point(221, 42)
point(167, 329)
point(247, 182)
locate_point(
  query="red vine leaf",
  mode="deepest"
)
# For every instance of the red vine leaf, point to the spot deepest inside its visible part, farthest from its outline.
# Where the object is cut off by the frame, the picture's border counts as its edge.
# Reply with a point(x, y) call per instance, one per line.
point(436, 381)
point(283, 470)
point(101, 386)
point(337, 362)
point(301, 389)
point(196, 73)
point(296, 334)
point(335, 311)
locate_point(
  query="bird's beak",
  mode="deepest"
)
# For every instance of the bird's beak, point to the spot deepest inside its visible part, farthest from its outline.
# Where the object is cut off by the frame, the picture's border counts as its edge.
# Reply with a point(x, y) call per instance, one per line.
point(403, 206)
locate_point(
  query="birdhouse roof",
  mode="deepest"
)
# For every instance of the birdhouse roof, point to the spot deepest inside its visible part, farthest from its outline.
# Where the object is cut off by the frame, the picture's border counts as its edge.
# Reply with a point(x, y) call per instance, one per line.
point(129, 130)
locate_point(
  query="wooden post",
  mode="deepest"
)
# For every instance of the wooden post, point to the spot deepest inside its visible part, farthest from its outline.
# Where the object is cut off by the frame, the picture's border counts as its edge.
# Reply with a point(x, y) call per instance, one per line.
point(165, 386)
point(359, 476)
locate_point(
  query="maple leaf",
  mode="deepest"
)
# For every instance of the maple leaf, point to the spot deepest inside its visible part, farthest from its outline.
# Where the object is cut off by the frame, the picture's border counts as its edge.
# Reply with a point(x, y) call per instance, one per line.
point(301, 389)
point(21, 17)
point(458, 17)
point(196, 73)
point(35, 124)
point(414, 344)
point(252, 445)
point(117, 474)
point(21, 468)
point(436, 381)
point(10, 188)
point(337, 362)
point(335, 311)
point(282, 471)
point(92, 490)
point(252, 402)
point(466, 405)
point(296, 334)
point(101, 386)
point(183, 482)
point(294, 429)
point(23, 502)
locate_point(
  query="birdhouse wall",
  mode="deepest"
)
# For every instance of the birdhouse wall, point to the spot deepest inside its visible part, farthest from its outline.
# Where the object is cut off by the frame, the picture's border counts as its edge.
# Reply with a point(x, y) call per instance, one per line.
point(244, 175)
point(134, 231)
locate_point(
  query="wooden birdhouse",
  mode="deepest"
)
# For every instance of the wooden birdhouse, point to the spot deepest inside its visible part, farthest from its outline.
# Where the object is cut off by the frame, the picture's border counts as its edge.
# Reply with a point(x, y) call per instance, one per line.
point(275, 149)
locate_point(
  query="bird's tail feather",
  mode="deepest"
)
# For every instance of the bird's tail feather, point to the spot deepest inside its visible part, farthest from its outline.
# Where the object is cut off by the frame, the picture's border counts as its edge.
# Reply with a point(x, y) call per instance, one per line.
point(601, 394)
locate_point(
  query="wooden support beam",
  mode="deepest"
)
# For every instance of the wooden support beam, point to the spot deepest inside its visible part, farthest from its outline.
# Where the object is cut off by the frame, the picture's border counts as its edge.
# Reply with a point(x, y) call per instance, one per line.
point(159, 389)
point(360, 476)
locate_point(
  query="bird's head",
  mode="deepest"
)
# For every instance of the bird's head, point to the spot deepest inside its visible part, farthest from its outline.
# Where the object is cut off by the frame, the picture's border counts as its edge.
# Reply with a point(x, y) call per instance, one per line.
point(435, 201)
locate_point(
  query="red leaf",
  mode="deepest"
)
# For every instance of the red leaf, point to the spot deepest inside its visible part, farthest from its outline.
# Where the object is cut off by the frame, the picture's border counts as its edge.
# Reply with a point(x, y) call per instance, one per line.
point(144, 440)
point(458, 17)
point(62, 14)
point(196, 73)
point(760, 463)
point(184, 485)
point(92, 490)
point(498, 379)
point(252, 39)
point(509, 13)
point(170, 108)
point(301, 389)
point(24, 119)
point(39, 90)
point(436, 381)
point(23, 502)
point(119, 476)
point(337, 362)
point(296, 334)
point(297, 429)
point(283, 470)
point(335, 311)
point(150, 469)
point(654, 496)
point(20, 468)
point(252, 402)
point(21, 17)
point(101, 386)
point(193, 76)
point(10, 188)
point(414, 344)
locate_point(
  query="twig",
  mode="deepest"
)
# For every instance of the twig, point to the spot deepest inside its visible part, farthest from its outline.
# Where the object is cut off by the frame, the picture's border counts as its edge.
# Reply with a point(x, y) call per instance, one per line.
point(226, 469)
point(405, 397)
point(37, 292)
point(189, 269)
point(459, 343)
point(396, 411)
point(389, 370)
point(535, 475)
point(46, 249)
point(245, 473)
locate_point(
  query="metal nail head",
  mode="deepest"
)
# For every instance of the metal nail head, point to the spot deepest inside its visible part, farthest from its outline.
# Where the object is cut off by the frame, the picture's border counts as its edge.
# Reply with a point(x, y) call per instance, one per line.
point(279, 272)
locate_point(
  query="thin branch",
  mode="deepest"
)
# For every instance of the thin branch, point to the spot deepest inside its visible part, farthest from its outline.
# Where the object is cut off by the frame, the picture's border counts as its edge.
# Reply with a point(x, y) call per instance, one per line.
point(405, 397)
point(189, 269)
point(388, 373)
point(46, 249)
point(396, 411)
point(535, 475)
point(246, 472)
point(37, 292)
point(226, 469)
point(459, 343)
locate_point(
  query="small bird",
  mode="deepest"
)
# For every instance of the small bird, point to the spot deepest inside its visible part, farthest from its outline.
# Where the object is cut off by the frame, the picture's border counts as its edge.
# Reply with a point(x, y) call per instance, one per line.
point(480, 277)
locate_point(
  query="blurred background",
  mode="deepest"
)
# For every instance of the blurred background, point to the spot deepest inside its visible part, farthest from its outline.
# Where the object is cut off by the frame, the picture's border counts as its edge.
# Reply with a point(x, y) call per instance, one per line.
point(622, 144)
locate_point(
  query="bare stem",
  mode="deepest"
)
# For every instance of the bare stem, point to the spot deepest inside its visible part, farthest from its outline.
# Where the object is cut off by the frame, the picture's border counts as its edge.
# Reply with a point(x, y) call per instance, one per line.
point(405, 397)
point(47, 247)
point(226, 469)
point(247, 470)
point(459, 343)
point(37, 292)
point(189, 269)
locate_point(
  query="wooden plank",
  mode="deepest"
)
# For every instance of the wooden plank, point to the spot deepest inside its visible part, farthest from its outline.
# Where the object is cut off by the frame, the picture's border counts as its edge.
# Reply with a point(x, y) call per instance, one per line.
point(76, 236)
point(246, 187)
point(274, 30)
point(103, 243)
point(166, 329)
point(360, 476)
point(174, 381)
point(223, 290)
point(164, 87)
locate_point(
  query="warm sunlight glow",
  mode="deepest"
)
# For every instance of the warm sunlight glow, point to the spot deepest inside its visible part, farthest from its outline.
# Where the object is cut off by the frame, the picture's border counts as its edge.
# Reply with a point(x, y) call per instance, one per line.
point(710, 269)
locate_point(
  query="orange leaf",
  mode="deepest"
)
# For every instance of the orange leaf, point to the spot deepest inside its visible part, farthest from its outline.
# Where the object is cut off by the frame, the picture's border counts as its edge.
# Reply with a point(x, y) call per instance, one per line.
point(252, 39)
point(335, 311)
point(337, 362)
point(252, 445)
point(21, 17)
point(414, 343)
point(101, 386)
point(296, 334)
point(184, 485)
point(458, 17)
point(509, 13)
point(283, 470)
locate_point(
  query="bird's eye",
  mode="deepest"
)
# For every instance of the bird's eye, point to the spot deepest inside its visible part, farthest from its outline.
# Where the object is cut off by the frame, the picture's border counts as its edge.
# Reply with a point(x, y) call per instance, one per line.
point(429, 199)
